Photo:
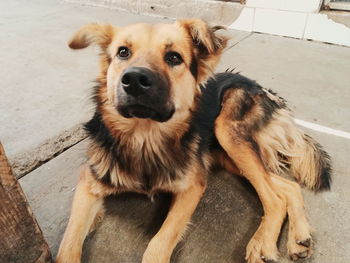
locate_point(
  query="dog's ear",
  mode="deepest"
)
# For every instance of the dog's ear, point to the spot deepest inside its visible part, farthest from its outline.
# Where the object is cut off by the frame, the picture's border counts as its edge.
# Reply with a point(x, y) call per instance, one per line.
point(207, 46)
point(101, 35)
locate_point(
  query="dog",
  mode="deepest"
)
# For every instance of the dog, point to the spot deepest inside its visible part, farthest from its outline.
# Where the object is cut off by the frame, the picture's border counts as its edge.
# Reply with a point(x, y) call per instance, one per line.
point(163, 119)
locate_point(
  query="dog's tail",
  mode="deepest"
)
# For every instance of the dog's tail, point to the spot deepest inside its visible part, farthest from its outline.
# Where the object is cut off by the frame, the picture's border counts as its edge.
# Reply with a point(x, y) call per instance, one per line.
point(312, 166)
point(283, 146)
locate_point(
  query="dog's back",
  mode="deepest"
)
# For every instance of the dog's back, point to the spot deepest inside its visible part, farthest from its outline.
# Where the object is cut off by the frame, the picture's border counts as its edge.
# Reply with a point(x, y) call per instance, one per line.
point(283, 146)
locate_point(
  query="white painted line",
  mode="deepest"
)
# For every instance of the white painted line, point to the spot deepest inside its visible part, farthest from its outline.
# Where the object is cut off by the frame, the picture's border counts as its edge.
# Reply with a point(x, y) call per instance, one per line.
point(324, 129)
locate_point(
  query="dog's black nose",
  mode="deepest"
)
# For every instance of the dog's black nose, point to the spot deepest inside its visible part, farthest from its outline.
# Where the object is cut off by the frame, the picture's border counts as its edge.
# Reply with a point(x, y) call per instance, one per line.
point(137, 80)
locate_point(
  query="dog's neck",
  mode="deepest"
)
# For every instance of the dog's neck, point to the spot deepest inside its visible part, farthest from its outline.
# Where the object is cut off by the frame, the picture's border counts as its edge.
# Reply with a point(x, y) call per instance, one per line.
point(141, 133)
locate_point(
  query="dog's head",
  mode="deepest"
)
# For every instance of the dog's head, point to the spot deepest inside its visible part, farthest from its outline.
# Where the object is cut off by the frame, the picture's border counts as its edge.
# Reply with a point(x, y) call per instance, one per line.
point(152, 71)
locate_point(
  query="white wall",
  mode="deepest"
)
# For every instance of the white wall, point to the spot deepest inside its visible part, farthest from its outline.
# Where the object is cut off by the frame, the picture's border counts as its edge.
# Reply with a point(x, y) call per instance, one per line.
point(292, 18)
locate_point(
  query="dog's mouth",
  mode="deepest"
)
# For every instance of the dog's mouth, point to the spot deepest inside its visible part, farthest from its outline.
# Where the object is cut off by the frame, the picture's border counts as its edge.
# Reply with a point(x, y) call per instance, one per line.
point(145, 112)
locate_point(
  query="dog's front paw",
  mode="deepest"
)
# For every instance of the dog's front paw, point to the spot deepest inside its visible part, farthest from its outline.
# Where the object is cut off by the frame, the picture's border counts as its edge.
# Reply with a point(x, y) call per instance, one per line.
point(261, 251)
point(156, 252)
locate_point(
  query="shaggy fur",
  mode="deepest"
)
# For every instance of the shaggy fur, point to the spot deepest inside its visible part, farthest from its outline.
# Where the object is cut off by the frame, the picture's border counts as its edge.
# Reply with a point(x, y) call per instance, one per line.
point(180, 121)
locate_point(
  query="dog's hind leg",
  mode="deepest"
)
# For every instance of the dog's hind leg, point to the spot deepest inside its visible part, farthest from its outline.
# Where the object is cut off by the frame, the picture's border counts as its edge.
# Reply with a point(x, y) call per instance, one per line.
point(234, 138)
point(299, 238)
point(87, 204)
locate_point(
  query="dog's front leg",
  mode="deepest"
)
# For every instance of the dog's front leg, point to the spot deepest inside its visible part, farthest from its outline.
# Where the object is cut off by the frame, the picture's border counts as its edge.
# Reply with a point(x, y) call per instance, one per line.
point(183, 205)
point(87, 204)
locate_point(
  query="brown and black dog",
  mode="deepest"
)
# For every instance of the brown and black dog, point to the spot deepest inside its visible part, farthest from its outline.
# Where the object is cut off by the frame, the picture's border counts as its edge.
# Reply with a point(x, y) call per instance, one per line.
point(163, 119)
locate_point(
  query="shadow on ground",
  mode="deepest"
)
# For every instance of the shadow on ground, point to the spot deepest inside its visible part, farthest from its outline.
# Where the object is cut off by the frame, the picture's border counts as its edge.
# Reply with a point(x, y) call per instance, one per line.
point(219, 230)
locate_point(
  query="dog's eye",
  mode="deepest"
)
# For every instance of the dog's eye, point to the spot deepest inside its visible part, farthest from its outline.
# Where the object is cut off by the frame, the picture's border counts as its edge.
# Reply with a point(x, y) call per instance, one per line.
point(173, 58)
point(123, 53)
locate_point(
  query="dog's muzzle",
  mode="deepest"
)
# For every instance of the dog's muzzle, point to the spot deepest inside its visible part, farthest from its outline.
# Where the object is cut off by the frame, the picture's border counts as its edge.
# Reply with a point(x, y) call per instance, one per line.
point(143, 93)
point(136, 81)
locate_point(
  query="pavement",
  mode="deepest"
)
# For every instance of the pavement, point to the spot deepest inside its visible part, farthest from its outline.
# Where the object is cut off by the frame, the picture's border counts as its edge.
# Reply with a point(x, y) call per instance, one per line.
point(45, 99)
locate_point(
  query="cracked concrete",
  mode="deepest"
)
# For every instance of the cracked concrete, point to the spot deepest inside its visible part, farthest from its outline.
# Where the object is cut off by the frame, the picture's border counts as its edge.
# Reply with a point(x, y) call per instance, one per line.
point(26, 162)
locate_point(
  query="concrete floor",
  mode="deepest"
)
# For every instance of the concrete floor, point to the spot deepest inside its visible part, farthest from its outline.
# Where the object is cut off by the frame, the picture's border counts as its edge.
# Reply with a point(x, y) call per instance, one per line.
point(45, 92)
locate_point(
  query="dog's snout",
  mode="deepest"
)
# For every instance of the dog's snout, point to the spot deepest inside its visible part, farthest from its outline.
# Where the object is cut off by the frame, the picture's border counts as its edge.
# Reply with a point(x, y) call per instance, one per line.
point(136, 80)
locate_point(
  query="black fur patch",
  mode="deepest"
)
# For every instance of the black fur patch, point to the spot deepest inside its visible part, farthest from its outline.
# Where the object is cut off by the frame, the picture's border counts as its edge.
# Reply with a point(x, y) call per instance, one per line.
point(325, 178)
point(194, 68)
point(212, 96)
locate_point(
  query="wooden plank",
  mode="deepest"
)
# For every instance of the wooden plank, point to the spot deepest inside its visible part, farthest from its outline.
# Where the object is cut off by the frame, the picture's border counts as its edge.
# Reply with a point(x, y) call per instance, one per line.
point(21, 239)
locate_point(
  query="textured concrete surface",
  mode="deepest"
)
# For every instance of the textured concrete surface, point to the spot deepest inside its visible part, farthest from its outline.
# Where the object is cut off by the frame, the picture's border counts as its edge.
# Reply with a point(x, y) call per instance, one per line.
point(50, 190)
point(218, 12)
point(24, 162)
point(45, 86)
point(313, 77)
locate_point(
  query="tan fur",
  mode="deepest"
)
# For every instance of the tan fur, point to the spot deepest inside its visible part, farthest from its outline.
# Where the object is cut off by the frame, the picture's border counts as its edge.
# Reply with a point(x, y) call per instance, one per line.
point(92, 33)
point(282, 136)
point(183, 205)
point(299, 228)
point(263, 243)
point(145, 140)
point(203, 35)
point(87, 204)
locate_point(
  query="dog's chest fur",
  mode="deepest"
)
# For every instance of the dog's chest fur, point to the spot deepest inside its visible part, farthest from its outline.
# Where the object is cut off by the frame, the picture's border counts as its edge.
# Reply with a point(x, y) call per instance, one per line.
point(142, 165)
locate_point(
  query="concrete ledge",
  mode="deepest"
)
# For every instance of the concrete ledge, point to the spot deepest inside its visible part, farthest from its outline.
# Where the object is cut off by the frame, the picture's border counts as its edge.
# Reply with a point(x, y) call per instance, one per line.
point(26, 162)
point(217, 12)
